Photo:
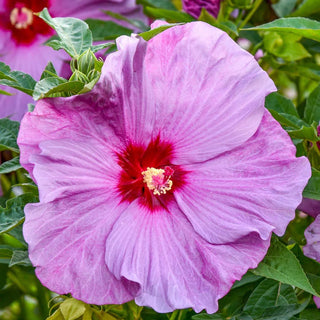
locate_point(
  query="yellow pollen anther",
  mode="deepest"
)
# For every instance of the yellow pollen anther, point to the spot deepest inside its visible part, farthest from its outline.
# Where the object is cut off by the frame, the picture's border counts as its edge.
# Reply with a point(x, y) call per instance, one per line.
point(158, 180)
point(21, 18)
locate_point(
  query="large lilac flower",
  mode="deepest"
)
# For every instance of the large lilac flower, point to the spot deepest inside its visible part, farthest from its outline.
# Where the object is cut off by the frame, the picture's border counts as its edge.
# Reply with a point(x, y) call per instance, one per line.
point(22, 35)
point(194, 7)
point(165, 182)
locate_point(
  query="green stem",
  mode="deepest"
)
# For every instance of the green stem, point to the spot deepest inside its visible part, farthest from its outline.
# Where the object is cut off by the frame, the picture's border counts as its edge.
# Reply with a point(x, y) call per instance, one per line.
point(22, 304)
point(174, 314)
point(182, 314)
point(278, 294)
point(251, 13)
point(43, 299)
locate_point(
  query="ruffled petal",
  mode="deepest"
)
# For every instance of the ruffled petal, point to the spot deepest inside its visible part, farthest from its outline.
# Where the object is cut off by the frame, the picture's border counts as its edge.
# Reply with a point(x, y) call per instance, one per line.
point(66, 241)
point(70, 150)
point(209, 93)
point(79, 118)
point(84, 9)
point(66, 167)
point(123, 73)
point(175, 267)
point(253, 188)
point(202, 111)
point(312, 234)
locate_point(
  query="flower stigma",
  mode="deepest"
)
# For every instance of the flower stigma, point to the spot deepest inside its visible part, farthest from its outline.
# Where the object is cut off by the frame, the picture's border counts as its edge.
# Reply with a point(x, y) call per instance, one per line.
point(21, 18)
point(158, 180)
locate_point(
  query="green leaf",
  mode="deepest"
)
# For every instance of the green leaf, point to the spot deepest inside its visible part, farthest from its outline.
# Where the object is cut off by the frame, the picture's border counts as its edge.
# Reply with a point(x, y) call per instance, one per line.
point(13, 215)
point(20, 257)
point(305, 132)
point(10, 165)
point(49, 86)
point(164, 4)
point(247, 278)
point(204, 316)
point(16, 79)
point(134, 22)
point(6, 252)
point(310, 71)
point(310, 314)
point(169, 15)
point(5, 93)
point(102, 46)
point(312, 109)
point(226, 26)
point(285, 46)
point(75, 36)
point(280, 104)
point(89, 86)
point(72, 309)
point(283, 312)
point(269, 293)
point(233, 303)
point(49, 71)
point(284, 7)
point(283, 110)
point(8, 135)
point(281, 264)
point(106, 30)
point(310, 266)
point(300, 26)
point(307, 8)
point(45, 85)
point(153, 32)
point(312, 190)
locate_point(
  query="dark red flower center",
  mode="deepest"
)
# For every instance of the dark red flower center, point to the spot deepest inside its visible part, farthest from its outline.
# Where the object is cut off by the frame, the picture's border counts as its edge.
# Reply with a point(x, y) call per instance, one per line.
point(149, 175)
point(18, 18)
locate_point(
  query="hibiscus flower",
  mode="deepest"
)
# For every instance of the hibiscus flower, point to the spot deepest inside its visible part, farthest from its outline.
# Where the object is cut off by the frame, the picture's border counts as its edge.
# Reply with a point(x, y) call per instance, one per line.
point(164, 183)
point(22, 35)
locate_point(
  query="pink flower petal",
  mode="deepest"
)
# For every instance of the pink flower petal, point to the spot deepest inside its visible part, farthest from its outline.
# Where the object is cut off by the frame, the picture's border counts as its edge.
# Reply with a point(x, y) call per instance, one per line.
point(310, 206)
point(124, 74)
point(15, 106)
point(253, 188)
point(66, 167)
point(77, 118)
point(83, 9)
point(67, 243)
point(184, 102)
point(312, 234)
point(316, 301)
point(174, 267)
point(203, 109)
point(76, 172)
point(194, 7)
